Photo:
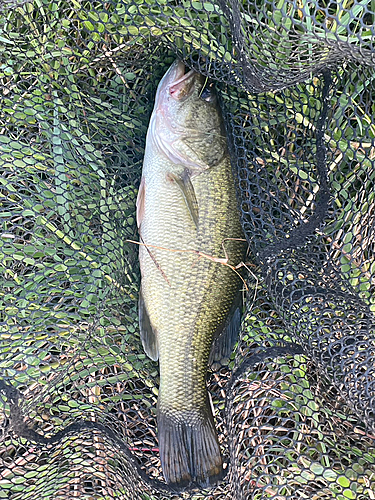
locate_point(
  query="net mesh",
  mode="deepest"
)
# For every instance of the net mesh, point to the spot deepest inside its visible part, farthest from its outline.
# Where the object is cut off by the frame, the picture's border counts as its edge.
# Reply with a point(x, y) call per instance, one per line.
point(294, 408)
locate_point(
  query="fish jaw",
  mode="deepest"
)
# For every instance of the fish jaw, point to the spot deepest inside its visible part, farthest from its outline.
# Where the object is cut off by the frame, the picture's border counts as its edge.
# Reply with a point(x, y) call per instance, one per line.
point(175, 84)
point(174, 73)
point(165, 133)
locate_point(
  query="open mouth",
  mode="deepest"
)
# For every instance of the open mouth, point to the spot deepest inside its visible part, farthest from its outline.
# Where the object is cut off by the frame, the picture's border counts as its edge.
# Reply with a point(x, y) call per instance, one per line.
point(181, 74)
point(177, 82)
point(182, 83)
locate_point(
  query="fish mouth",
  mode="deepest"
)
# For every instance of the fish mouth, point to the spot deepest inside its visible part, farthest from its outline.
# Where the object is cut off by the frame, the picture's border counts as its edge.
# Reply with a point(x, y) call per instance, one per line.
point(176, 83)
point(180, 75)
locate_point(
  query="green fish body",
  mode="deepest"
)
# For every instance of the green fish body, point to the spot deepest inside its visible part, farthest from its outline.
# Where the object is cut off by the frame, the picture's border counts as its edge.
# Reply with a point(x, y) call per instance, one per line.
point(189, 229)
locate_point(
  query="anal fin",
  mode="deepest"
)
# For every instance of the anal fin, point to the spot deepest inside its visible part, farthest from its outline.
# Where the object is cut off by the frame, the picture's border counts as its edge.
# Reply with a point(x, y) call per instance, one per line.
point(148, 335)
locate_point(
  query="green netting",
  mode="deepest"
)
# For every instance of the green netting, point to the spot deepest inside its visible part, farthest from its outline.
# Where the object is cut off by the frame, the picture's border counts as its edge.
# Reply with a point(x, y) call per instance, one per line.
point(294, 408)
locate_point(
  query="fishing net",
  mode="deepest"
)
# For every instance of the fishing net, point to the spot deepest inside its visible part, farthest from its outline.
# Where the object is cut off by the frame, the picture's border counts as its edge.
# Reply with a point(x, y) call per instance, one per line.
point(294, 408)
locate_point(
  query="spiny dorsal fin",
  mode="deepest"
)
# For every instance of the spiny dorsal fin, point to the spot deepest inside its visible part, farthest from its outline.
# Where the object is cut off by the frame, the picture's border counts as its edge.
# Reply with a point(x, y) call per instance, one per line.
point(183, 181)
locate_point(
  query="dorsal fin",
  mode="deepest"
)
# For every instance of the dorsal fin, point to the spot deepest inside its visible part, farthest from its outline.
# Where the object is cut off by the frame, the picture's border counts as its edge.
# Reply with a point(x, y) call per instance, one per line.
point(226, 336)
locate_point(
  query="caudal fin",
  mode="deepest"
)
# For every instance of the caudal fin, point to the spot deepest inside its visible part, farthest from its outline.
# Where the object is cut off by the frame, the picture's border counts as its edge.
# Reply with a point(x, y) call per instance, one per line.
point(189, 449)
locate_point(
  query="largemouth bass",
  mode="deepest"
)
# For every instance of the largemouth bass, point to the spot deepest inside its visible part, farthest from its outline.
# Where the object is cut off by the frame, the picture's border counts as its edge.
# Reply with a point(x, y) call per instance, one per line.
point(189, 225)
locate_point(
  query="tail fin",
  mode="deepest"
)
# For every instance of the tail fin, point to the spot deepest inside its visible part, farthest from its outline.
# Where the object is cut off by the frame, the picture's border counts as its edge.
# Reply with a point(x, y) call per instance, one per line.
point(189, 448)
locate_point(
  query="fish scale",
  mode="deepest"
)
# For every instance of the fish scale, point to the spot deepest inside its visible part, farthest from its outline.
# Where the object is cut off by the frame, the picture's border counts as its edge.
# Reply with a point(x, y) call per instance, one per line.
point(186, 296)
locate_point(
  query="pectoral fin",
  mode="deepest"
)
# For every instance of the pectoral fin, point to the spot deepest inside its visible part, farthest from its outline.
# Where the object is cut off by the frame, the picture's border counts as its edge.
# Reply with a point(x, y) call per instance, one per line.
point(183, 181)
point(148, 334)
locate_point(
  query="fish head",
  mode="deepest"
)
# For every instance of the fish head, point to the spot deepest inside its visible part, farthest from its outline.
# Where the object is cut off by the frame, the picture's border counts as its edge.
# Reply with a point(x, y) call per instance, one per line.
point(189, 127)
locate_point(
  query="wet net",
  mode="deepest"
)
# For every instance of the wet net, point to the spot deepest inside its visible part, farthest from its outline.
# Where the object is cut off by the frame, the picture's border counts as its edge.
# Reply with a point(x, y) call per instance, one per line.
point(294, 408)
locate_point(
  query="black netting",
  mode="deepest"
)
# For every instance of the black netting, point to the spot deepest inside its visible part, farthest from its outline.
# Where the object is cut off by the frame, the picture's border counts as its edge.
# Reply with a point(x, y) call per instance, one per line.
point(294, 408)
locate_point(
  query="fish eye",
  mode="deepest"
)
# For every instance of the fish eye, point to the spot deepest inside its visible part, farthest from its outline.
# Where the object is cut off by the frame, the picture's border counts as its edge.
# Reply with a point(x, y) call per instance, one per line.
point(207, 93)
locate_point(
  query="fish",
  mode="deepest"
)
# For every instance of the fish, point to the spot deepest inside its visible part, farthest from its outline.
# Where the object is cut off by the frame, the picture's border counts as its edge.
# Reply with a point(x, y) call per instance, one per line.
point(191, 241)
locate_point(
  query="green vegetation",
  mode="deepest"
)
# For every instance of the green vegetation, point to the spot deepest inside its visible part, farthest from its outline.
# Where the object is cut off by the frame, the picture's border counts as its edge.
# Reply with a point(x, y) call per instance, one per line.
point(77, 80)
point(310, 450)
